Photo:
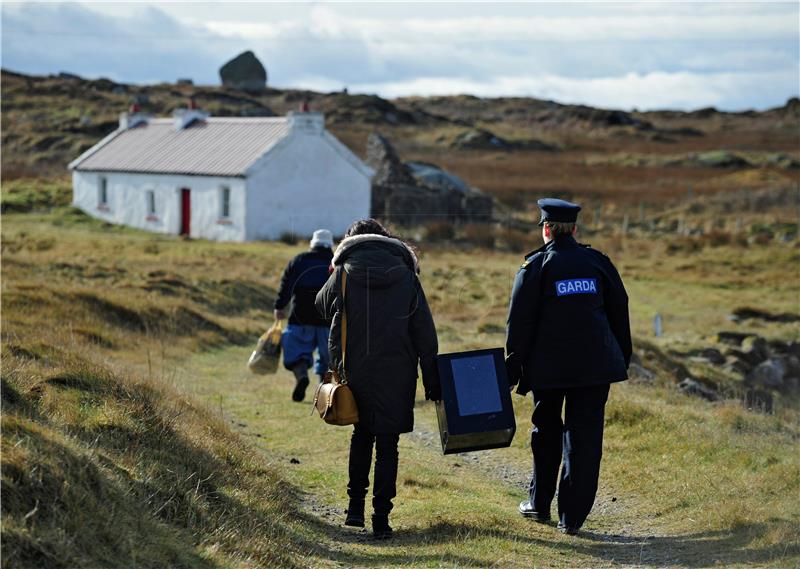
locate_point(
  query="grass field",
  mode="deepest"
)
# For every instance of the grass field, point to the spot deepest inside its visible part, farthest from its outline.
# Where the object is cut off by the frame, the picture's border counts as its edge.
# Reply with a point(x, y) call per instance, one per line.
point(132, 432)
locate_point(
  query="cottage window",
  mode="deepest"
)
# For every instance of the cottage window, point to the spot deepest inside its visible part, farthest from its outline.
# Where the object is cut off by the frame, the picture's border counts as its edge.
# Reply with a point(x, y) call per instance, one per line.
point(225, 202)
point(102, 193)
point(151, 203)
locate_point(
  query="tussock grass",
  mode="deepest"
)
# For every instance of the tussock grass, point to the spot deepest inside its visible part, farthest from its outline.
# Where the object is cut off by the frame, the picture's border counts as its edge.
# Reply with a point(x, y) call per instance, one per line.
point(101, 326)
point(103, 469)
point(728, 474)
point(26, 194)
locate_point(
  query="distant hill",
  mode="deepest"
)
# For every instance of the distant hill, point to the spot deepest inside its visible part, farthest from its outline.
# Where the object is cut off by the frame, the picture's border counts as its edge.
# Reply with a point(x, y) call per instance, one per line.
point(510, 147)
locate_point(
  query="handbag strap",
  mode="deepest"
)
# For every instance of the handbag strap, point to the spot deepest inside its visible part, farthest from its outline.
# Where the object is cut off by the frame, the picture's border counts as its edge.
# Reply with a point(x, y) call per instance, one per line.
point(344, 326)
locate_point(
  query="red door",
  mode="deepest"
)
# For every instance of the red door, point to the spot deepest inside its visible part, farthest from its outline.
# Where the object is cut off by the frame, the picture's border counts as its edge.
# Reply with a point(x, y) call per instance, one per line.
point(186, 211)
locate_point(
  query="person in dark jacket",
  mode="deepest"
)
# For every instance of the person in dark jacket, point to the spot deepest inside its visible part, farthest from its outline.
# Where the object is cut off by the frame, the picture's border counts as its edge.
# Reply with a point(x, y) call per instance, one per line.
point(568, 339)
point(390, 331)
point(307, 330)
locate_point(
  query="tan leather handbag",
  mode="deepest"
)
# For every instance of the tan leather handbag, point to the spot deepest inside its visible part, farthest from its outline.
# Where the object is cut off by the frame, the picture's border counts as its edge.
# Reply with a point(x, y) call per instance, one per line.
point(334, 399)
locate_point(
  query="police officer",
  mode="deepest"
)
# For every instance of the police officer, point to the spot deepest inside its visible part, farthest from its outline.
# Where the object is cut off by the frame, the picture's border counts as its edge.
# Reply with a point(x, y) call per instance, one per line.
point(303, 278)
point(568, 340)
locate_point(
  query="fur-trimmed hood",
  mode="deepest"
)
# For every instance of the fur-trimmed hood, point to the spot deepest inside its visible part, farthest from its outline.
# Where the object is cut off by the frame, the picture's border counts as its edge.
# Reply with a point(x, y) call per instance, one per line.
point(347, 245)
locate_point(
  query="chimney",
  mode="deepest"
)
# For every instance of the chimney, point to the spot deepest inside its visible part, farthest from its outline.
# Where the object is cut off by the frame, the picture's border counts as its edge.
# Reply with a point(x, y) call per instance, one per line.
point(184, 118)
point(133, 118)
point(308, 122)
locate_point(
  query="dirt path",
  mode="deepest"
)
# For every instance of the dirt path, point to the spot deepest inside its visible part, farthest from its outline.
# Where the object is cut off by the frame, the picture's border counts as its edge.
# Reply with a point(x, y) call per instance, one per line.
point(451, 511)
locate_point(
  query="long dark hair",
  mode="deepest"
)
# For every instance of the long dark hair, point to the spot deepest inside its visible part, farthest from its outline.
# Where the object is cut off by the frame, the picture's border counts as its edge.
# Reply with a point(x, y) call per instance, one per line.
point(368, 226)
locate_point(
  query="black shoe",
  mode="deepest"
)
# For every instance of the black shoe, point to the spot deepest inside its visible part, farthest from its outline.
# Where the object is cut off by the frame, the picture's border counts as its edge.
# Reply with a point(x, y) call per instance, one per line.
point(299, 392)
point(380, 527)
point(567, 529)
point(355, 514)
point(527, 511)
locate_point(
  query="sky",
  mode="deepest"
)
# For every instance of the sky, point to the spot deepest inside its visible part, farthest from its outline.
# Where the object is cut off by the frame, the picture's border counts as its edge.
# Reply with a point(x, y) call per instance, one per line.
point(625, 55)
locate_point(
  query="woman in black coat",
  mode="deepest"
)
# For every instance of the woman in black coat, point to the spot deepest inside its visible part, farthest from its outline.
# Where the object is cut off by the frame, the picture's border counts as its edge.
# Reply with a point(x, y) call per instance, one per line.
point(390, 331)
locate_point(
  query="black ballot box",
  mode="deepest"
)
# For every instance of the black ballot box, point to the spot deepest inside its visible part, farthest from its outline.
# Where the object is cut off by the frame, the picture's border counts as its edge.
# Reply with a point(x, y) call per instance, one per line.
point(475, 412)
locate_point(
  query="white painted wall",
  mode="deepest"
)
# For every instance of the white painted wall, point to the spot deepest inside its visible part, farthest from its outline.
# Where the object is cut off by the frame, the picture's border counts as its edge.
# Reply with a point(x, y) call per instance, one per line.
point(309, 181)
point(127, 202)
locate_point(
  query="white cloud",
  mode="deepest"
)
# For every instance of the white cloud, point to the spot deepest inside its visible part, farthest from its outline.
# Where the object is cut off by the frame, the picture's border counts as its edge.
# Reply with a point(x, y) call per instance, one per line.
point(650, 91)
point(717, 21)
point(679, 55)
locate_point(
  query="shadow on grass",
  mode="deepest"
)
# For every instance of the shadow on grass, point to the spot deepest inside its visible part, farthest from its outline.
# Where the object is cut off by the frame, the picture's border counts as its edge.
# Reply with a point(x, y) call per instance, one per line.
point(131, 489)
point(694, 550)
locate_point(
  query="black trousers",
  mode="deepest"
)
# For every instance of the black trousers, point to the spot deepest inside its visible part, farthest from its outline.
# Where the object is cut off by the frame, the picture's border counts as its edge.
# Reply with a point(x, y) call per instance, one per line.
point(385, 487)
point(575, 444)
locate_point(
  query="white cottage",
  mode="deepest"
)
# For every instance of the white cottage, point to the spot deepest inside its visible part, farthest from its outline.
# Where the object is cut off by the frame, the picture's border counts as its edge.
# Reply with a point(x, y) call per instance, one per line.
point(227, 179)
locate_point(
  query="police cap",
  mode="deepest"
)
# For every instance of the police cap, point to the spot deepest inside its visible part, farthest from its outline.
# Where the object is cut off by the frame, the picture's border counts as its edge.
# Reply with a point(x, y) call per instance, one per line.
point(561, 211)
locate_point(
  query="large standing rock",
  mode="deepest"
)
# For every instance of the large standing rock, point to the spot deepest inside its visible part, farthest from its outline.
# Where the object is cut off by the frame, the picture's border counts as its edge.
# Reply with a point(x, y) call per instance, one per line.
point(244, 72)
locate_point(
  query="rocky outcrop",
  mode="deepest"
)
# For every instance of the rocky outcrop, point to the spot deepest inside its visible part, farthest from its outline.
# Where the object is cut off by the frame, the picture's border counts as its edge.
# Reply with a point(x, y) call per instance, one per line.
point(416, 193)
point(637, 372)
point(482, 139)
point(343, 108)
point(693, 387)
point(747, 313)
point(761, 364)
point(245, 73)
point(742, 366)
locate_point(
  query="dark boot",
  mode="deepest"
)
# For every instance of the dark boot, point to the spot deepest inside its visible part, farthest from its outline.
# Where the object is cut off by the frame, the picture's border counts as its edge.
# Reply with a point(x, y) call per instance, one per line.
point(528, 511)
point(568, 529)
point(300, 372)
point(355, 514)
point(380, 527)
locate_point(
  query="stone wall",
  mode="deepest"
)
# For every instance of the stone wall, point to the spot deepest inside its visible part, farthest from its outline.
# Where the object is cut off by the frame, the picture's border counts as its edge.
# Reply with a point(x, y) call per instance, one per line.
point(401, 197)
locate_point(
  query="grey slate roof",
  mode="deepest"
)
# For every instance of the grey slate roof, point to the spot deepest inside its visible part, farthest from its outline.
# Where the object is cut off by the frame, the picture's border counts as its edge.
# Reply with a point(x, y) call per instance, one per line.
point(218, 146)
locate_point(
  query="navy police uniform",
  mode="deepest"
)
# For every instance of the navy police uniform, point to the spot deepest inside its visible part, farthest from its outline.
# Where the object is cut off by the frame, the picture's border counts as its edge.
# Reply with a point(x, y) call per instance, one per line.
point(568, 339)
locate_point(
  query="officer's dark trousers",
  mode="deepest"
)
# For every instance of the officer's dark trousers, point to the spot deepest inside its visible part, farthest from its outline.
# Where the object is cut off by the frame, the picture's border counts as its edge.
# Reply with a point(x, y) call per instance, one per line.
point(384, 489)
point(577, 441)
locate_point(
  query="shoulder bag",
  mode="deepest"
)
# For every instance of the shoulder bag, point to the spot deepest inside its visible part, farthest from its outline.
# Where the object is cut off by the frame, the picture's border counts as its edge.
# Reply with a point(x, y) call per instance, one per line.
point(334, 399)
